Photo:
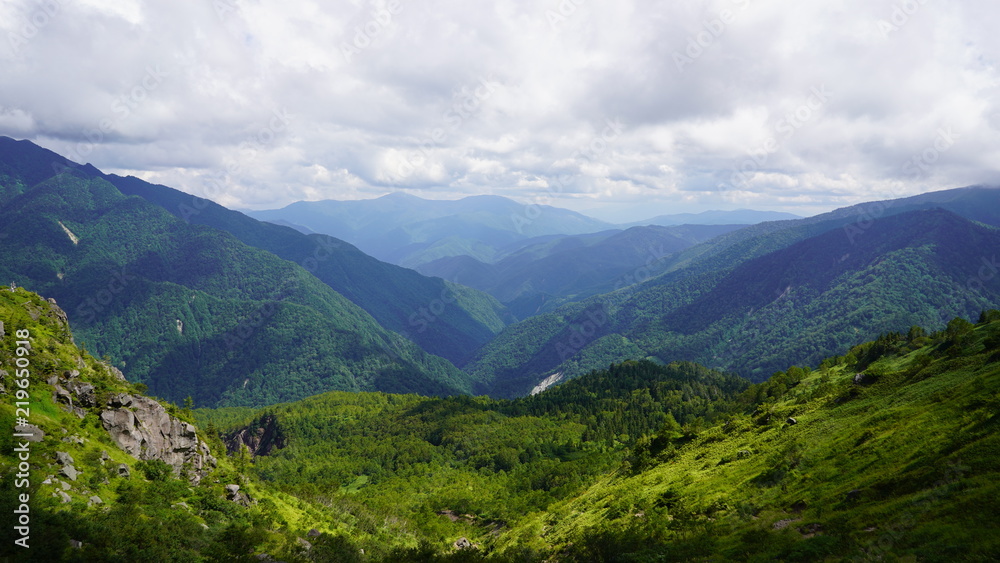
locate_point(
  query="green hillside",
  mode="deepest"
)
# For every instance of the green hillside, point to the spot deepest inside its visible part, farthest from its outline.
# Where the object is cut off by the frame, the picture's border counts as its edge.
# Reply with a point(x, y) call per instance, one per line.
point(192, 311)
point(443, 319)
point(809, 298)
point(676, 463)
point(887, 452)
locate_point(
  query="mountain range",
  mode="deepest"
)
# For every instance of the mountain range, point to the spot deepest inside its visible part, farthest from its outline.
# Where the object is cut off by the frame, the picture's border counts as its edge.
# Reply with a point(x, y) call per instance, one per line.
point(197, 300)
point(190, 309)
point(772, 294)
point(407, 230)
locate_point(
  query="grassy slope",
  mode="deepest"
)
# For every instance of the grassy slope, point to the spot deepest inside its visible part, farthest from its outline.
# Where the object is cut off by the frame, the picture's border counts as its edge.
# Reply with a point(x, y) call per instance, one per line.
point(903, 468)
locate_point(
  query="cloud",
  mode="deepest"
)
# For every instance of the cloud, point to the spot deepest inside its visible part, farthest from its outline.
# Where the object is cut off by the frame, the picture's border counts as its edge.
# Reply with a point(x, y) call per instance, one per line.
point(715, 99)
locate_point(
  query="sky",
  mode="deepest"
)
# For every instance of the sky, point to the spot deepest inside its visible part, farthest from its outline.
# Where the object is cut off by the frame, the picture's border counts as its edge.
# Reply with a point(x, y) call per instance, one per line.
point(623, 109)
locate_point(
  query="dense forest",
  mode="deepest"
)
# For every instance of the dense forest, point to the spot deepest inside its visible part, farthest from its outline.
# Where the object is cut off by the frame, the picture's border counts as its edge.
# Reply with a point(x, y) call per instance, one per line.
point(638, 461)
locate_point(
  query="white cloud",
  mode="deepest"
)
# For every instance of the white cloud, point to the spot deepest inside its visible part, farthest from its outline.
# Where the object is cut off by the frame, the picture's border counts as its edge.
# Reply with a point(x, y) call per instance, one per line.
point(460, 98)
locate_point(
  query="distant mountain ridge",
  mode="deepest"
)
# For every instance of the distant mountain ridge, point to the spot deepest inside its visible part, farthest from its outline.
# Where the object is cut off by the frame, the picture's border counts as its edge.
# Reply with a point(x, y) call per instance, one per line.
point(539, 276)
point(407, 230)
point(845, 276)
point(734, 217)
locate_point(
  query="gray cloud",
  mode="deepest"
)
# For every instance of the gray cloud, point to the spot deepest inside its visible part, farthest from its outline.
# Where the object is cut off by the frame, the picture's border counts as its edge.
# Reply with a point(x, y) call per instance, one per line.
point(514, 98)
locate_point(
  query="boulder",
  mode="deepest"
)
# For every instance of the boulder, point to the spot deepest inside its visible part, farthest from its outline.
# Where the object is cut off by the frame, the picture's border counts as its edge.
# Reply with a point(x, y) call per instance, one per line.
point(63, 497)
point(313, 533)
point(69, 472)
point(233, 493)
point(123, 471)
point(863, 378)
point(64, 458)
point(34, 433)
point(791, 420)
point(463, 543)
point(94, 500)
point(145, 430)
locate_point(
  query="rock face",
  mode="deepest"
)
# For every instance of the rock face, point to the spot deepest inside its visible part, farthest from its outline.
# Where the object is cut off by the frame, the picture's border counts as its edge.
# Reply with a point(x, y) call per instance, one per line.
point(73, 393)
point(260, 437)
point(145, 430)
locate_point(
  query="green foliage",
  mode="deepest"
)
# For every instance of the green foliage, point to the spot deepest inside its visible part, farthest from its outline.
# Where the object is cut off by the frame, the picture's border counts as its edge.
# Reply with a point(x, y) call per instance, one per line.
point(191, 311)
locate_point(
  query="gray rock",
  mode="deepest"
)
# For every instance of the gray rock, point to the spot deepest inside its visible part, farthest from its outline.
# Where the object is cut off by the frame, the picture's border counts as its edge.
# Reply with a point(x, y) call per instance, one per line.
point(123, 471)
point(305, 544)
point(104, 456)
point(313, 533)
point(145, 430)
point(863, 378)
point(233, 493)
point(69, 472)
point(64, 458)
point(35, 434)
point(463, 543)
point(65, 486)
point(120, 400)
point(792, 420)
point(117, 373)
point(2, 333)
point(94, 500)
point(63, 497)
point(75, 544)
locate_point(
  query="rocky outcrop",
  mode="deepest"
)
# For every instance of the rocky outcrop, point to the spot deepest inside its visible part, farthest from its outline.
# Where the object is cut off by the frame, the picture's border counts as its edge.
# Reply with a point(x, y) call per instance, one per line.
point(145, 430)
point(233, 494)
point(260, 437)
point(73, 393)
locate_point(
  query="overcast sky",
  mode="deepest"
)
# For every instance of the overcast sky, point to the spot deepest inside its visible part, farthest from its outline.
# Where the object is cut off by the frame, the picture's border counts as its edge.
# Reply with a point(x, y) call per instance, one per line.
point(623, 109)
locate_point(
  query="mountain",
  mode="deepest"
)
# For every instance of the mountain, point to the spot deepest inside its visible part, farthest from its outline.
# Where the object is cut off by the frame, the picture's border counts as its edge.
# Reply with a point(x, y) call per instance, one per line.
point(445, 319)
point(735, 217)
point(638, 461)
point(752, 302)
point(646, 462)
point(410, 231)
point(190, 310)
point(544, 272)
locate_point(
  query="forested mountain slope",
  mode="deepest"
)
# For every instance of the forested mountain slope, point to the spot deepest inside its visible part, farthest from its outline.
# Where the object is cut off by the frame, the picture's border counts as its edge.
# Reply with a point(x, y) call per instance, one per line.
point(187, 309)
point(798, 303)
point(445, 319)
